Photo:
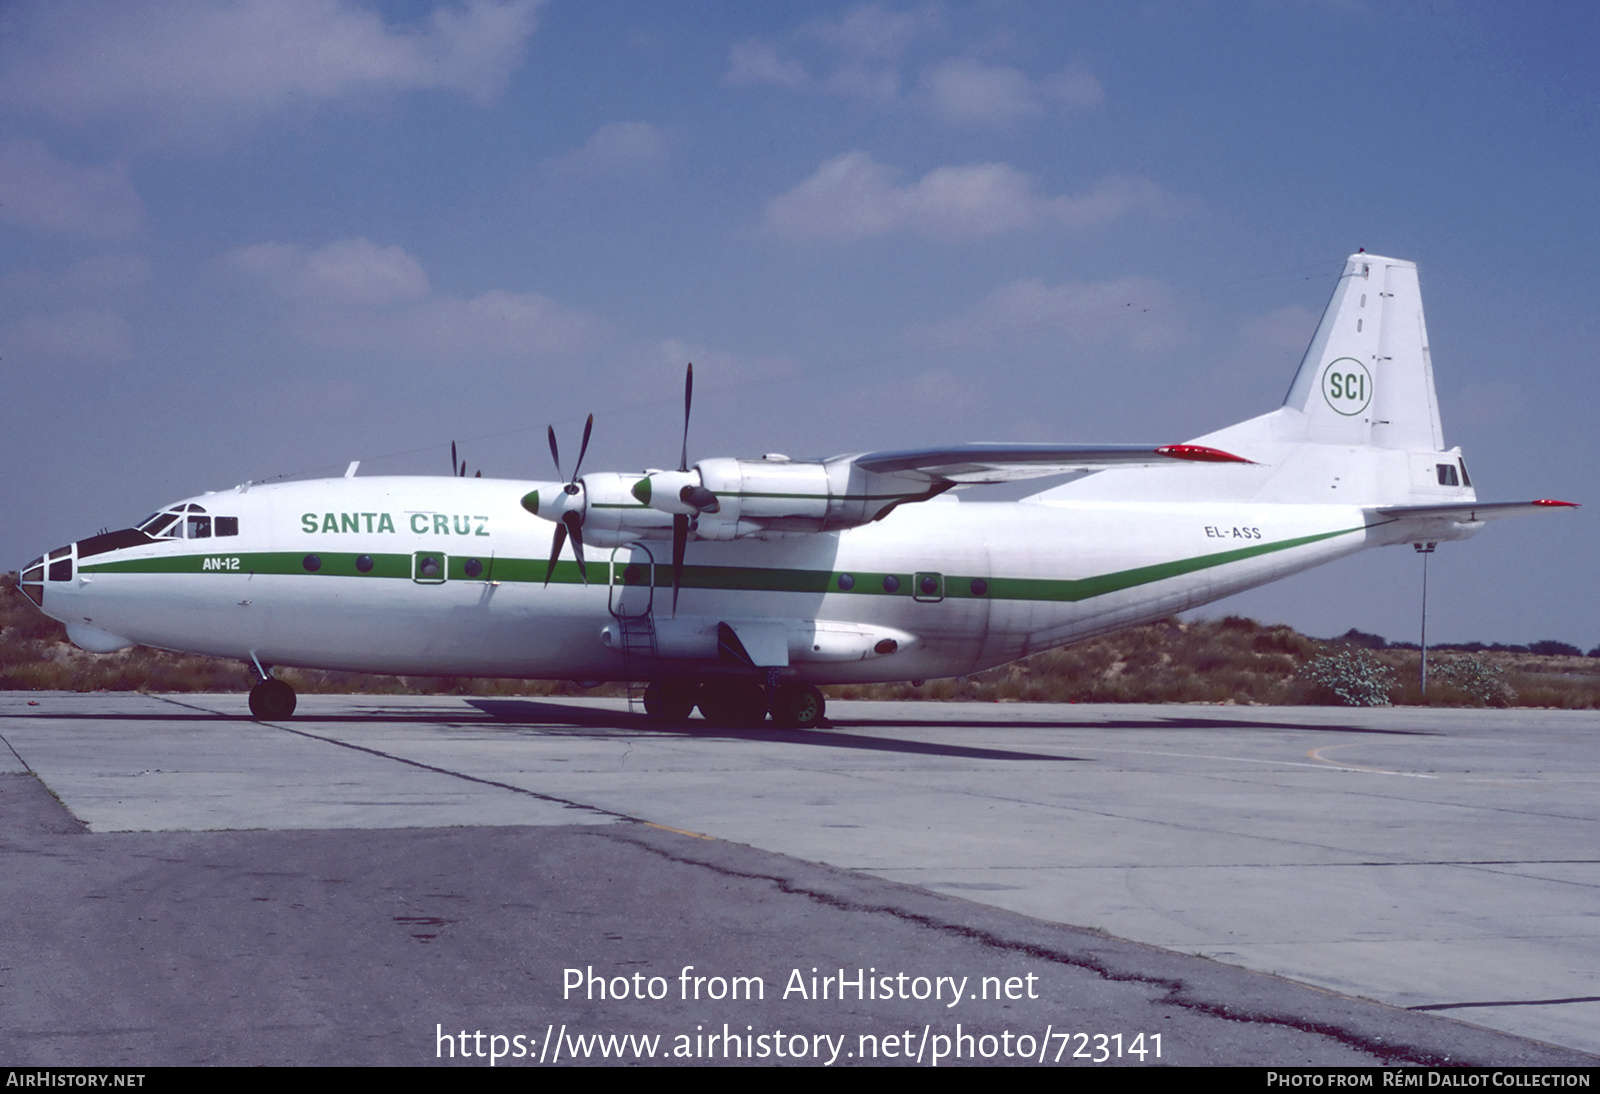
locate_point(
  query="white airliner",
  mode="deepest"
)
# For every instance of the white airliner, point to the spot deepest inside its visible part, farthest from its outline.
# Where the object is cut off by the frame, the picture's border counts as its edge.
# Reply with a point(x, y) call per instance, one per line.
point(738, 585)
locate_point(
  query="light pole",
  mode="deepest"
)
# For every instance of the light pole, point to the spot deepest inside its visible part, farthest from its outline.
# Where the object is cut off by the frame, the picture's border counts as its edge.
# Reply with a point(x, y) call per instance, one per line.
point(1425, 549)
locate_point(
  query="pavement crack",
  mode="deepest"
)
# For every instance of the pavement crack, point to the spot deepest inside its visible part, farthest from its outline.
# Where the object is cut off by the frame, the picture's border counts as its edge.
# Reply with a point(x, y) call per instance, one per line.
point(1510, 1003)
point(1178, 991)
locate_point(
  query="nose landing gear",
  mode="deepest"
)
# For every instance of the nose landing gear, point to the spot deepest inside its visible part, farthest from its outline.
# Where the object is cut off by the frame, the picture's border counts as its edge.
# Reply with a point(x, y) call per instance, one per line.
point(270, 700)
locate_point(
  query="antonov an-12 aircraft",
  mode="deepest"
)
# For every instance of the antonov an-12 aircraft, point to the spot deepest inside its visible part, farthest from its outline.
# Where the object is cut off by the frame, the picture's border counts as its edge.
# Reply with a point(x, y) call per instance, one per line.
point(739, 585)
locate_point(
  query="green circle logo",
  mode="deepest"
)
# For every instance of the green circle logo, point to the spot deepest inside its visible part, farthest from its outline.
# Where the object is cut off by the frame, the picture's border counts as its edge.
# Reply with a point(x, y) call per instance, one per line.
point(1347, 386)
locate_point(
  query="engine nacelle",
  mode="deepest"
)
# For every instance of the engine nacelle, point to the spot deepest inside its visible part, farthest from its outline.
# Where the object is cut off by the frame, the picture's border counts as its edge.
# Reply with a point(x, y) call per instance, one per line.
point(729, 499)
point(732, 498)
point(614, 516)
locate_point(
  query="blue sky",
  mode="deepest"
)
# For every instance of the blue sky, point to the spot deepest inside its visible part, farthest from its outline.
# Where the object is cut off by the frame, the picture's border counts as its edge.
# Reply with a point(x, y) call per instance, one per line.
point(249, 239)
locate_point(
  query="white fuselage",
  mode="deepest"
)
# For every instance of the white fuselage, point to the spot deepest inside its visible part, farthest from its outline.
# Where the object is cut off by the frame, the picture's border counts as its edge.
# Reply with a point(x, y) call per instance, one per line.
point(336, 574)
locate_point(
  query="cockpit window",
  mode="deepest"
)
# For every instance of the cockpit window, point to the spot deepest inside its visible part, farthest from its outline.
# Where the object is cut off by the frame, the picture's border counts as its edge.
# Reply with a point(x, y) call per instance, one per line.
point(184, 522)
point(160, 524)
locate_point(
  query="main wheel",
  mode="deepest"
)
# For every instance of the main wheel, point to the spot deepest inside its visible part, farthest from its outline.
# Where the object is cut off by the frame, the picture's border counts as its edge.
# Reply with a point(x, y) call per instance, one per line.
point(798, 706)
point(669, 700)
point(734, 704)
point(272, 700)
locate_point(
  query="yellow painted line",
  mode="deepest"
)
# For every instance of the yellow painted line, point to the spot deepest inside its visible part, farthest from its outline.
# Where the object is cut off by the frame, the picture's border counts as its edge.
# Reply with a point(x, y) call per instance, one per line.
point(679, 831)
point(1317, 754)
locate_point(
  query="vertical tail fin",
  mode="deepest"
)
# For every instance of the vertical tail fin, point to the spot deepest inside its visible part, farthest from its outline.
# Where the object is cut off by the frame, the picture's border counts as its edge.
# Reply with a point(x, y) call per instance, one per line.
point(1367, 378)
point(1360, 424)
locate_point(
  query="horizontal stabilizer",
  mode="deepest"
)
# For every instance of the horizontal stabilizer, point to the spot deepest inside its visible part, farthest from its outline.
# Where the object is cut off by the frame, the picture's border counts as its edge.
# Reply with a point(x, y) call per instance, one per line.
point(992, 463)
point(1471, 512)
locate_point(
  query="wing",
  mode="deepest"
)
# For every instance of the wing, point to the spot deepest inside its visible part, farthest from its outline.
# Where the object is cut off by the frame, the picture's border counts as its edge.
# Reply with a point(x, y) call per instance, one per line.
point(991, 463)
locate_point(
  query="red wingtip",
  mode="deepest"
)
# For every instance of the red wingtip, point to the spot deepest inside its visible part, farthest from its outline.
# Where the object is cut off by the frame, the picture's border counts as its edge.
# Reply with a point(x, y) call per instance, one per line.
point(1199, 453)
point(1552, 501)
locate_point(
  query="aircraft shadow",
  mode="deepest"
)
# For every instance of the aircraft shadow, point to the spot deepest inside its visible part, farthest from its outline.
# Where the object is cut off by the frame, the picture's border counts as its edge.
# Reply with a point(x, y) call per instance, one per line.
point(553, 715)
point(531, 711)
point(1150, 723)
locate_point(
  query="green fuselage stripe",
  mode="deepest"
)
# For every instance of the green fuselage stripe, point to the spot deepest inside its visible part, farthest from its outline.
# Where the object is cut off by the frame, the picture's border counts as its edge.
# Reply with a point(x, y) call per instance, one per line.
point(721, 578)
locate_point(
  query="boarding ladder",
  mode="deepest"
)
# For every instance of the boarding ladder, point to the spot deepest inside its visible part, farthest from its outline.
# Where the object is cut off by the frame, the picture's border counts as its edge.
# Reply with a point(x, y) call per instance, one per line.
point(632, 605)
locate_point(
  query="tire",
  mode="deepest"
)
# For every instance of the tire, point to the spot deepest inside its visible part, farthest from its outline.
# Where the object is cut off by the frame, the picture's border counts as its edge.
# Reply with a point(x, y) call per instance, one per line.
point(734, 704)
point(798, 706)
point(272, 700)
point(670, 700)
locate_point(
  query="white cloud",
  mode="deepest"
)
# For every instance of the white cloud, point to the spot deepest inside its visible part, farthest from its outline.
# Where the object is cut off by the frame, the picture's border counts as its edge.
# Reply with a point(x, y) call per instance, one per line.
point(859, 56)
point(357, 295)
point(757, 62)
point(77, 337)
point(857, 53)
point(853, 197)
point(42, 191)
point(1135, 312)
point(967, 90)
point(616, 148)
point(348, 272)
point(193, 68)
point(872, 30)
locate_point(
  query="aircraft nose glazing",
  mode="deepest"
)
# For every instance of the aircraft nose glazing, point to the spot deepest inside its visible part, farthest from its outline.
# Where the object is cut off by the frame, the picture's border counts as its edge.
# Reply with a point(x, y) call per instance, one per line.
point(57, 566)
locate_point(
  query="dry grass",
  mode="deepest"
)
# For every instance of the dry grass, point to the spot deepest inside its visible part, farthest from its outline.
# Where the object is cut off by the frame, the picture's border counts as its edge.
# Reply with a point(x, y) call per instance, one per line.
point(1230, 660)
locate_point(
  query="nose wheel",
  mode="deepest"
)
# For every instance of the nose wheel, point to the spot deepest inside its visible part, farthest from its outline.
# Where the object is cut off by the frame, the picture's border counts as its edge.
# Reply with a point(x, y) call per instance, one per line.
point(272, 700)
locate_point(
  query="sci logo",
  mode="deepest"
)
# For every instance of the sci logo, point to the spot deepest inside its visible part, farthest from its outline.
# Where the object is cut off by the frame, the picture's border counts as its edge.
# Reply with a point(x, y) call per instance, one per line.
point(1347, 386)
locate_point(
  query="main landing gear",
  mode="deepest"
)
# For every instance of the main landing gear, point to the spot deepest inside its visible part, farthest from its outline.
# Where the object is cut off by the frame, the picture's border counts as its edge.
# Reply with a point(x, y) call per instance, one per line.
point(736, 704)
point(798, 706)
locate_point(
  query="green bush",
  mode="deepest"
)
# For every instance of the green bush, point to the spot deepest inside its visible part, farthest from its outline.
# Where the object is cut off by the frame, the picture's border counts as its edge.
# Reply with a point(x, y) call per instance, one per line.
point(1353, 677)
point(1481, 680)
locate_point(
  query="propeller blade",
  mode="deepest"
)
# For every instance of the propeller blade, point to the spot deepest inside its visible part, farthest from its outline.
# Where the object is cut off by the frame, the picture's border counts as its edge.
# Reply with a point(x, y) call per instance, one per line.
point(573, 523)
point(588, 427)
point(560, 541)
point(688, 398)
point(555, 453)
point(452, 457)
point(680, 542)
